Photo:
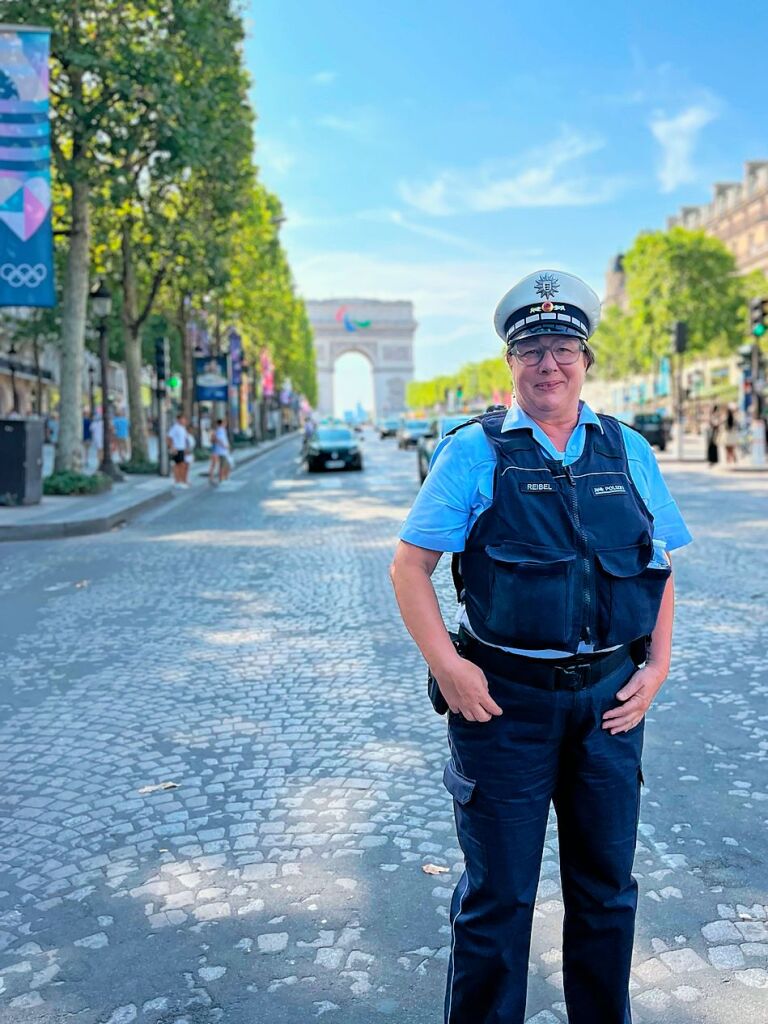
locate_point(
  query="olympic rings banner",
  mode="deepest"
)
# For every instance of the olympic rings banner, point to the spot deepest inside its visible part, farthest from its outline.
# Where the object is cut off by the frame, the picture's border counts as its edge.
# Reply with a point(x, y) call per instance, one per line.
point(26, 236)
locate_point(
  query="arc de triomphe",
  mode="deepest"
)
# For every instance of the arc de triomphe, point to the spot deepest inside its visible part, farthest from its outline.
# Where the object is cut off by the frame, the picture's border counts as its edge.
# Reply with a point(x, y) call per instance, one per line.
point(381, 331)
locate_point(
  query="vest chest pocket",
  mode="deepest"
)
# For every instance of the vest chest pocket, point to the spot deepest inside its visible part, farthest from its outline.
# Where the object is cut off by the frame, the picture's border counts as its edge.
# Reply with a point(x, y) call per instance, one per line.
point(530, 595)
point(629, 593)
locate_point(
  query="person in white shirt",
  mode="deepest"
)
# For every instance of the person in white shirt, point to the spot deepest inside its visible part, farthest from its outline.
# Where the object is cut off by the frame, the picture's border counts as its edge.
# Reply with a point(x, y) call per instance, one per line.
point(189, 457)
point(177, 441)
point(97, 438)
point(220, 456)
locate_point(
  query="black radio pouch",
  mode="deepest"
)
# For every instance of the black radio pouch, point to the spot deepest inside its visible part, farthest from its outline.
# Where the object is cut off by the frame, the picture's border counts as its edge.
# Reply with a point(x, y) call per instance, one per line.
point(638, 650)
point(439, 702)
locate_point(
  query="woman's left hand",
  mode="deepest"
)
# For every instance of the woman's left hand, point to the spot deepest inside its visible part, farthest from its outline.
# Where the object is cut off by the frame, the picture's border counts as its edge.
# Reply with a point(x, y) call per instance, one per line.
point(636, 697)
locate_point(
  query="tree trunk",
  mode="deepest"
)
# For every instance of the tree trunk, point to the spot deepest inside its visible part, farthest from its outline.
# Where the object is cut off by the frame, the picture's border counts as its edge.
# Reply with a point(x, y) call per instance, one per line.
point(188, 362)
point(133, 362)
point(69, 448)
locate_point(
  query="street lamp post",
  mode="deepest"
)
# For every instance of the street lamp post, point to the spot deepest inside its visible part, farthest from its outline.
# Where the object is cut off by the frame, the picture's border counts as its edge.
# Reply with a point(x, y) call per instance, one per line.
point(102, 307)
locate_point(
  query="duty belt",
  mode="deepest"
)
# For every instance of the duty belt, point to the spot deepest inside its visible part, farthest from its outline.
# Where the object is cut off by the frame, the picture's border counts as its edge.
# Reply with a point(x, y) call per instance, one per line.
point(574, 673)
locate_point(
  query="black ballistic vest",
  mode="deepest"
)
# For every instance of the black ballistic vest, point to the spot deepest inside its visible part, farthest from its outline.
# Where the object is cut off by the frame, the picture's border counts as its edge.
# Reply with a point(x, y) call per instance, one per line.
point(562, 553)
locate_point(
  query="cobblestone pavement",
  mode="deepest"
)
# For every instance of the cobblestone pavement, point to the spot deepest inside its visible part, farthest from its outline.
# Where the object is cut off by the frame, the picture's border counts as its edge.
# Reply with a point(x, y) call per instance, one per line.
point(221, 777)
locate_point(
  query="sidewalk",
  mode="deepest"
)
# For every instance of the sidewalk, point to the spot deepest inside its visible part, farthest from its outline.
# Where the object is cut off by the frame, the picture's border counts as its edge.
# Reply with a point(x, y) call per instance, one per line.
point(695, 450)
point(76, 516)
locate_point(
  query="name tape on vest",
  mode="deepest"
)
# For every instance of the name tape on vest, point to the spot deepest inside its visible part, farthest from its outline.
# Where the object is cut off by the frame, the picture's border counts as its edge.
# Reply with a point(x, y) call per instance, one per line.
point(603, 489)
point(540, 488)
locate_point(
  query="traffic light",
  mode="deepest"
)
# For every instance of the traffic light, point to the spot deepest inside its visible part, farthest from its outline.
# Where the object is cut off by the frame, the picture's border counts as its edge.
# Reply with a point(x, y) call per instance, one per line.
point(459, 392)
point(162, 359)
point(745, 357)
point(680, 336)
point(758, 312)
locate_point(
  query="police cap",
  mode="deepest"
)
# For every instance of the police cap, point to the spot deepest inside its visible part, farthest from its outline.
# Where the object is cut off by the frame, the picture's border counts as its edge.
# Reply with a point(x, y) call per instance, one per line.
point(547, 302)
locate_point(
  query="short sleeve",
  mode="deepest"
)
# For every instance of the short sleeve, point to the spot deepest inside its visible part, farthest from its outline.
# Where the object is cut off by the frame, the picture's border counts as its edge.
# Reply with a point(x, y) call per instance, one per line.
point(452, 495)
point(668, 525)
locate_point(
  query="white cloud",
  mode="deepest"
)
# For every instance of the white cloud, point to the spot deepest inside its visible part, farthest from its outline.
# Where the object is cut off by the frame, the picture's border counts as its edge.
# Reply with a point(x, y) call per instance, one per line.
point(338, 124)
point(677, 137)
point(464, 288)
point(358, 122)
point(324, 77)
point(537, 178)
point(395, 217)
point(275, 156)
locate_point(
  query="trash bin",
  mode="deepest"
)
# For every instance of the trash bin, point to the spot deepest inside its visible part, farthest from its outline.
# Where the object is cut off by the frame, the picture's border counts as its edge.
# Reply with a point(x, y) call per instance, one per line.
point(21, 461)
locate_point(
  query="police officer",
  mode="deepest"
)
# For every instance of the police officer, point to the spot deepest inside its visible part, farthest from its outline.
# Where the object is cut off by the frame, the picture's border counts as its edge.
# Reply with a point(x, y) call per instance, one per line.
point(560, 526)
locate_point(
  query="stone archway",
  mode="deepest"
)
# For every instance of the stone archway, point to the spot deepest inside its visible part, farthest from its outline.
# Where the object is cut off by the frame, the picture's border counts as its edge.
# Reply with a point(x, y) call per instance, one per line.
point(380, 331)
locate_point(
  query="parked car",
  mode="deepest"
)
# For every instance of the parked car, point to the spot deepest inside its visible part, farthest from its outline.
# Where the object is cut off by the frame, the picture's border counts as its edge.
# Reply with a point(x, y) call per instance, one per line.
point(333, 448)
point(437, 430)
point(653, 428)
point(410, 431)
point(388, 428)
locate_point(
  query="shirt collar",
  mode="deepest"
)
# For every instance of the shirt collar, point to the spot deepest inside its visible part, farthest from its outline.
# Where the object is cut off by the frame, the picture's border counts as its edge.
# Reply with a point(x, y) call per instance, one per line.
point(517, 418)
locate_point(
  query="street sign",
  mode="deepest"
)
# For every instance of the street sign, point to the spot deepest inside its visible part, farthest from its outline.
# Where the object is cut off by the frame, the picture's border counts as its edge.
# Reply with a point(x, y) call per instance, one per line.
point(211, 379)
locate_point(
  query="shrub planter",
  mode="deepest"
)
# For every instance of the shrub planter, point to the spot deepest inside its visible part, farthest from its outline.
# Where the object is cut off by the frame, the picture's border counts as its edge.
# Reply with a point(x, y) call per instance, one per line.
point(76, 483)
point(145, 468)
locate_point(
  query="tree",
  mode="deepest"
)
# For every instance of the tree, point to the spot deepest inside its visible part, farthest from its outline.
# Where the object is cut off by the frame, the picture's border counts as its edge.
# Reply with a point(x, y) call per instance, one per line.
point(178, 163)
point(682, 275)
point(152, 141)
point(479, 382)
point(94, 79)
point(617, 352)
point(261, 295)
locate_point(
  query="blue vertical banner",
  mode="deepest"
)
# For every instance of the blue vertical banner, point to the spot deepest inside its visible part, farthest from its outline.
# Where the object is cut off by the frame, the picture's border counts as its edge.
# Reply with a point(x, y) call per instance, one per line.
point(235, 356)
point(26, 236)
point(236, 376)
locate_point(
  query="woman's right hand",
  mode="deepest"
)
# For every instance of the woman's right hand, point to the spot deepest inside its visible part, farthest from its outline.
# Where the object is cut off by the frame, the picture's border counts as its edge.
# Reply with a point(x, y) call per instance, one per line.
point(465, 689)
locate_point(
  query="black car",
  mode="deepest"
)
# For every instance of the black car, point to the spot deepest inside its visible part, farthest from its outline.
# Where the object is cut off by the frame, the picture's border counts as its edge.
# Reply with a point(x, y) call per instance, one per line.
point(653, 428)
point(410, 431)
point(437, 429)
point(333, 448)
point(388, 428)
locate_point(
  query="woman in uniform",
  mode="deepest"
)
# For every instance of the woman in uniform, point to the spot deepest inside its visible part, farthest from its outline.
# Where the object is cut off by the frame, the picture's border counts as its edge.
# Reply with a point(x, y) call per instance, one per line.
point(560, 526)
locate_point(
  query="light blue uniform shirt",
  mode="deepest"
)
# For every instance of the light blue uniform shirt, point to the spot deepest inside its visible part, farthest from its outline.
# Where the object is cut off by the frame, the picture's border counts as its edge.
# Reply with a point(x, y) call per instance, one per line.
point(459, 486)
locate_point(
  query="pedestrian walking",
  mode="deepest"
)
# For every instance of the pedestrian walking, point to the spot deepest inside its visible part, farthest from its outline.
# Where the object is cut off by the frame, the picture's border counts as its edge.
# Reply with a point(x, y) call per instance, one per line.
point(730, 437)
point(189, 455)
point(86, 437)
point(558, 521)
point(121, 428)
point(221, 459)
point(177, 446)
point(97, 438)
point(713, 431)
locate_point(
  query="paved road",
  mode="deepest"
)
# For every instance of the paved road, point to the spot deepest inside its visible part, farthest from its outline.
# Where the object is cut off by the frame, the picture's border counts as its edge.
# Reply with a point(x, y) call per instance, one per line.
point(243, 646)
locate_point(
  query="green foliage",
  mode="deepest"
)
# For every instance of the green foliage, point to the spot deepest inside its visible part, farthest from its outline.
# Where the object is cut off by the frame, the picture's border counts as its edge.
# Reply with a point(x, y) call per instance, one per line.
point(261, 297)
point(150, 108)
point(141, 467)
point(682, 275)
point(478, 381)
point(615, 346)
point(70, 483)
point(675, 275)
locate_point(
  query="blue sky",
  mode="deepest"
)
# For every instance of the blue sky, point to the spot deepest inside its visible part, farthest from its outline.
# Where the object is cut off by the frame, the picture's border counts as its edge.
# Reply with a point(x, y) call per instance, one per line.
point(439, 151)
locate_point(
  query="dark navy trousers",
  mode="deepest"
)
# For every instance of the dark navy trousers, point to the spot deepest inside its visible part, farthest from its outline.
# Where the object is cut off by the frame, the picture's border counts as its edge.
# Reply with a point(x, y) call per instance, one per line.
point(547, 747)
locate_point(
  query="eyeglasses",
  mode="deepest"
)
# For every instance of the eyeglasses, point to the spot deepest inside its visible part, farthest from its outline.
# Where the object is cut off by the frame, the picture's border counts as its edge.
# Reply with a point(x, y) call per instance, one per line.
point(564, 352)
